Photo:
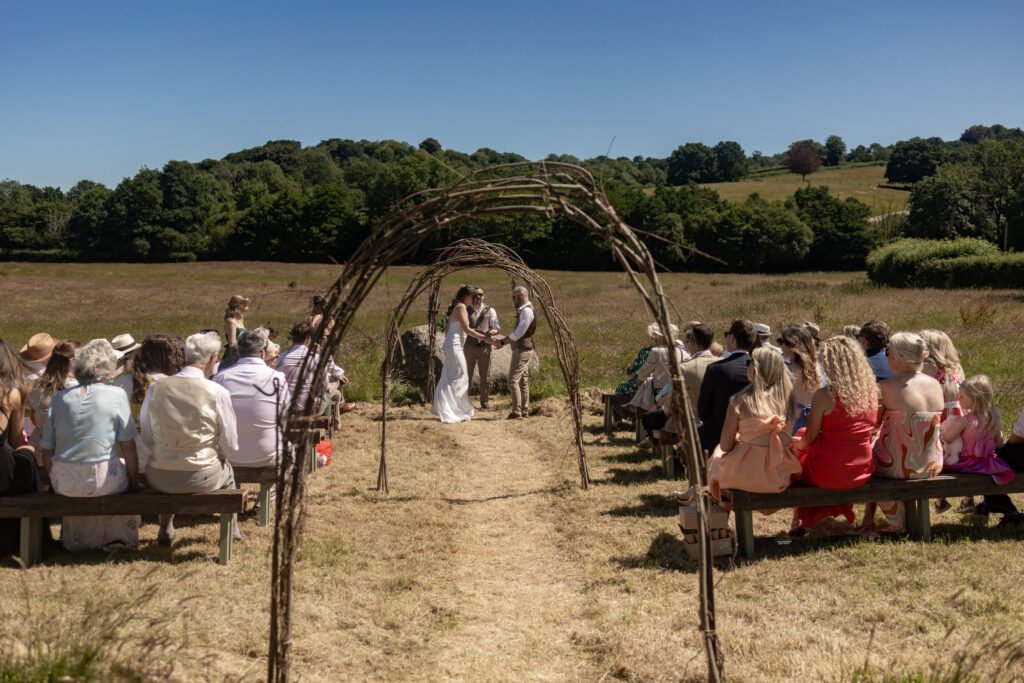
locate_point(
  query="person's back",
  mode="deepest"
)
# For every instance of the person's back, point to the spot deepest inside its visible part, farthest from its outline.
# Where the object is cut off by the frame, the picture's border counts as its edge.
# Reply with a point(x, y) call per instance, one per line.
point(259, 395)
point(722, 380)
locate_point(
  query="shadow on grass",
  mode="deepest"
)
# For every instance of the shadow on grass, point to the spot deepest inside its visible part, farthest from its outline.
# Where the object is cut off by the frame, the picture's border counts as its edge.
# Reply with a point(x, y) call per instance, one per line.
point(651, 505)
point(633, 456)
point(665, 552)
point(628, 477)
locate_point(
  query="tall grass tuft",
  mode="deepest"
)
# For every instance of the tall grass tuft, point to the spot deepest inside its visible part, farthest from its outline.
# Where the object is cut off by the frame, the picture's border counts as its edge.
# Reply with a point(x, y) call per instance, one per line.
point(98, 642)
point(987, 659)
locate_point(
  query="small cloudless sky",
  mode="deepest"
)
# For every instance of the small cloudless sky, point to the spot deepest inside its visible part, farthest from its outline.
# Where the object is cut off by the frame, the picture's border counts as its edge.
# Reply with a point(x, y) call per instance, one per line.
point(100, 89)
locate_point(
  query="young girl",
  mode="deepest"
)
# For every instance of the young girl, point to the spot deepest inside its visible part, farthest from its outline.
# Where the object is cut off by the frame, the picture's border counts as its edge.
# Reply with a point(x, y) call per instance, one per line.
point(754, 454)
point(980, 430)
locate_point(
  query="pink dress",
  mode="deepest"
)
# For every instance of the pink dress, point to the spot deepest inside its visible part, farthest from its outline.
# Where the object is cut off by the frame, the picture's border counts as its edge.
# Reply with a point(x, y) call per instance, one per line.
point(949, 408)
point(758, 463)
point(978, 455)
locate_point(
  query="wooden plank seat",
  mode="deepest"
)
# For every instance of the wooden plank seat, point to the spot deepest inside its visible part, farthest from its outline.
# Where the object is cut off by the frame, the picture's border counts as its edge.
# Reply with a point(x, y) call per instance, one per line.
point(915, 494)
point(33, 508)
point(266, 477)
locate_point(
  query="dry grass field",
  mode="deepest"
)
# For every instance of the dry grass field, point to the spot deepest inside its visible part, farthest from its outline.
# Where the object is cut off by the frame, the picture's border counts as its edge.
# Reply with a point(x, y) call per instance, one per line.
point(859, 182)
point(486, 561)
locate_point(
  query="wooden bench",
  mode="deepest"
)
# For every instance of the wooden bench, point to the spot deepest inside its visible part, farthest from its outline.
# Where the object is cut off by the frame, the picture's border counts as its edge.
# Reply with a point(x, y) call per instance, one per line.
point(610, 402)
point(33, 508)
point(266, 477)
point(915, 494)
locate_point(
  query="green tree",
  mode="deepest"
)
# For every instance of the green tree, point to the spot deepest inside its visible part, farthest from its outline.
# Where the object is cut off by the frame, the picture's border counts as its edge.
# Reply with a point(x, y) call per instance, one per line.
point(914, 159)
point(693, 162)
point(835, 150)
point(842, 238)
point(756, 235)
point(730, 161)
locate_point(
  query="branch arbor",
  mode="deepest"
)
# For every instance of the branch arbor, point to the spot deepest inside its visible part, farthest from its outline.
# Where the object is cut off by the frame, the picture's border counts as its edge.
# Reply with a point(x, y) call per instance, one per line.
point(546, 188)
point(462, 255)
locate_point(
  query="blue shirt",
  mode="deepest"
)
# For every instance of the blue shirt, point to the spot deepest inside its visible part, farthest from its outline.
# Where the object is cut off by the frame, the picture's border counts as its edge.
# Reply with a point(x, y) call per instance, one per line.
point(879, 363)
point(85, 424)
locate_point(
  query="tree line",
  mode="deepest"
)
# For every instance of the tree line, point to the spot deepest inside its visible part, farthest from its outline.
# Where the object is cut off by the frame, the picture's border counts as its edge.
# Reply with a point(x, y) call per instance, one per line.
point(283, 201)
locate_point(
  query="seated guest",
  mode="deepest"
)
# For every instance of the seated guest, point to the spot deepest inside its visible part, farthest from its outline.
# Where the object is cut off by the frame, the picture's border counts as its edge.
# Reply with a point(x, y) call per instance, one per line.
point(35, 355)
point(874, 337)
point(813, 329)
point(89, 429)
point(943, 363)
point(625, 391)
point(18, 472)
point(125, 346)
point(59, 375)
point(851, 331)
point(259, 395)
point(1012, 453)
point(657, 367)
point(764, 336)
point(835, 449)
point(317, 308)
point(273, 351)
point(156, 358)
point(717, 350)
point(697, 339)
point(753, 451)
point(909, 445)
point(980, 431)
point(799, 350)
point(290, 364)
point(189, 425)
point(722, 379)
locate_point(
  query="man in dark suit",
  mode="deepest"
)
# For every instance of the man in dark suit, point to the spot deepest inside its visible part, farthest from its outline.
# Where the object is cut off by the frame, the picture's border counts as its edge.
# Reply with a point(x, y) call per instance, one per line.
point(722, 380)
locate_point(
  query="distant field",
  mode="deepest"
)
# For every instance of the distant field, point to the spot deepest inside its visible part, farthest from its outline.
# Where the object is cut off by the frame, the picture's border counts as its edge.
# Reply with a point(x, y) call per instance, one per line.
point(90, 300)
point(860, 182)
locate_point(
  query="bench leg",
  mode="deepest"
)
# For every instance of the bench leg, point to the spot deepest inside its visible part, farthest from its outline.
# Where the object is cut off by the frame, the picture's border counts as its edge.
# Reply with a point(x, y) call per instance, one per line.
point(911, 519)
point(924, 520)
point(745, 532)
point(607, 416)
point(31, 540)
point(641, 433)
point(264, 501)
point(226, 522)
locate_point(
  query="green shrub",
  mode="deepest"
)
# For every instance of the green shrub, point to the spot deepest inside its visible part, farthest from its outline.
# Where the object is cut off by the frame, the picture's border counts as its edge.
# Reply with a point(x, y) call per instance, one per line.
point(1004, 271)
point(898, 264)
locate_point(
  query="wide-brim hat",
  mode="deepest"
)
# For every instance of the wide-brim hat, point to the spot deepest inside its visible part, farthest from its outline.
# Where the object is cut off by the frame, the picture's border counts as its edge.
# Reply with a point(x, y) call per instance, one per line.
point(762, 330)
point(39, 348)
point(124, 343)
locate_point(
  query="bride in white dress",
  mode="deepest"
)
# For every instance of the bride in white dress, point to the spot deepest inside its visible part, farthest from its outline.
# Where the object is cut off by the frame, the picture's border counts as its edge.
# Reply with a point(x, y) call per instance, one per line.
point(451, 395)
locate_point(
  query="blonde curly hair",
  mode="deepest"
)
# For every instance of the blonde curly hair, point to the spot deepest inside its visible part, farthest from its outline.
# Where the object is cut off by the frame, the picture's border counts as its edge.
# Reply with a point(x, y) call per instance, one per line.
point(768, 391)
point(848, 373)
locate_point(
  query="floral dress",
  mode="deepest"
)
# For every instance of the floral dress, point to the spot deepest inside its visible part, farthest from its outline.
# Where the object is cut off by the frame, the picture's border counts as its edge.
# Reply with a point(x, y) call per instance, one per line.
point(629, 387)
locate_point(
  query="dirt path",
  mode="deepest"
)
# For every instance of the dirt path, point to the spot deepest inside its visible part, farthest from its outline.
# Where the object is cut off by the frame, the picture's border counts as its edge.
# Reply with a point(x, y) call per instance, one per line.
point(517, 594)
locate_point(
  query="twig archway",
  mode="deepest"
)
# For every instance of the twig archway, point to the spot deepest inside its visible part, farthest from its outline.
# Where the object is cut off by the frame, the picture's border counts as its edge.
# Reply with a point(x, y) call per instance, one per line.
point(462, 255)
point(547, 188)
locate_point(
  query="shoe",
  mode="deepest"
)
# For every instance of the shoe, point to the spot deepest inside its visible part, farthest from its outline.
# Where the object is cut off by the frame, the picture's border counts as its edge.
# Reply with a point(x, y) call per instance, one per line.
point(514, 416)
point(687, 497)
point(941, 506)
point(645, 444)
point(967, 506)
point(981, 509)
point(483, 407)
point(347, 407)
point(236, 533)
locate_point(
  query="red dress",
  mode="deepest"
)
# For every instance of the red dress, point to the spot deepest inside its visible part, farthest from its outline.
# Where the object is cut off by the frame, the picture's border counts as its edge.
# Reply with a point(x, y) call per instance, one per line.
point(840, 458)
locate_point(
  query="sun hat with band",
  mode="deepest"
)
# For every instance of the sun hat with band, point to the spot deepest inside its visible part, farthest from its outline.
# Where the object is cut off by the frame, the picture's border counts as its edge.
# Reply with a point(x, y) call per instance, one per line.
point(124, 343)
point(38, 349)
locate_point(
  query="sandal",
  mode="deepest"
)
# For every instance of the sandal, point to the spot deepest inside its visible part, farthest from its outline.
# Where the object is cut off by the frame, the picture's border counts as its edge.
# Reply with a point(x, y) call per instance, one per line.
point(687, 497)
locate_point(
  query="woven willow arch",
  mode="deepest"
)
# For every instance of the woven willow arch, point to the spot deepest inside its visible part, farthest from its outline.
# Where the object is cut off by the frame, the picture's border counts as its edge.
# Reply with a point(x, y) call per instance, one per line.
point(547, 188)
point(463, 255)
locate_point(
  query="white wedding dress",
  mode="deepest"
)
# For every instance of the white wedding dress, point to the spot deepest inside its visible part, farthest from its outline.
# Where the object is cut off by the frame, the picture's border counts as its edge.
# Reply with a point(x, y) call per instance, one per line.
point(451, 395)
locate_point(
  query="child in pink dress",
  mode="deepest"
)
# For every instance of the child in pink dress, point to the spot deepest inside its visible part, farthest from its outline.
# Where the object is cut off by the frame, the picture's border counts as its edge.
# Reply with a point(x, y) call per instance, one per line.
point(980, 430)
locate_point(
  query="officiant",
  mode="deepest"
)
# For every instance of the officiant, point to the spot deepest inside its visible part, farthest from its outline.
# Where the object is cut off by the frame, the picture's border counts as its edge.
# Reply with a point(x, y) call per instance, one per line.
point(484, 319)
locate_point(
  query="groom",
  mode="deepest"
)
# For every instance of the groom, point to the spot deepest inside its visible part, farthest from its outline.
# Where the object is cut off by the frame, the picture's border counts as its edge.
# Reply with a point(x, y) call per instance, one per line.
point(521, 339)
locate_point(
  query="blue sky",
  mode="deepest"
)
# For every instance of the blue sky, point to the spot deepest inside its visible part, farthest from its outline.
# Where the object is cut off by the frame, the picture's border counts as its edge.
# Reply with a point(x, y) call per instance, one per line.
point(98, 90)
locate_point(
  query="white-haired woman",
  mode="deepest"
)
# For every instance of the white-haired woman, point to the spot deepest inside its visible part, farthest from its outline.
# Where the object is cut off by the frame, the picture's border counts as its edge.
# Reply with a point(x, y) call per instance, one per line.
point(909, 445)
point(189, 424)
point(753, 453)
point(89, 430)
point(835, 447)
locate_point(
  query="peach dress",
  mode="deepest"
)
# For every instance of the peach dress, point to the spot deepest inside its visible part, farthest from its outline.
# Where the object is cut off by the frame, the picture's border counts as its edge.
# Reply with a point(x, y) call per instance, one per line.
point(759, 462)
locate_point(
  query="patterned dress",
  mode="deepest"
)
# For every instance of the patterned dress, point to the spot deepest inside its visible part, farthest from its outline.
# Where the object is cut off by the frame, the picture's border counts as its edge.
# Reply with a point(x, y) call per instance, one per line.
point(909, 445)
point(629, 387)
